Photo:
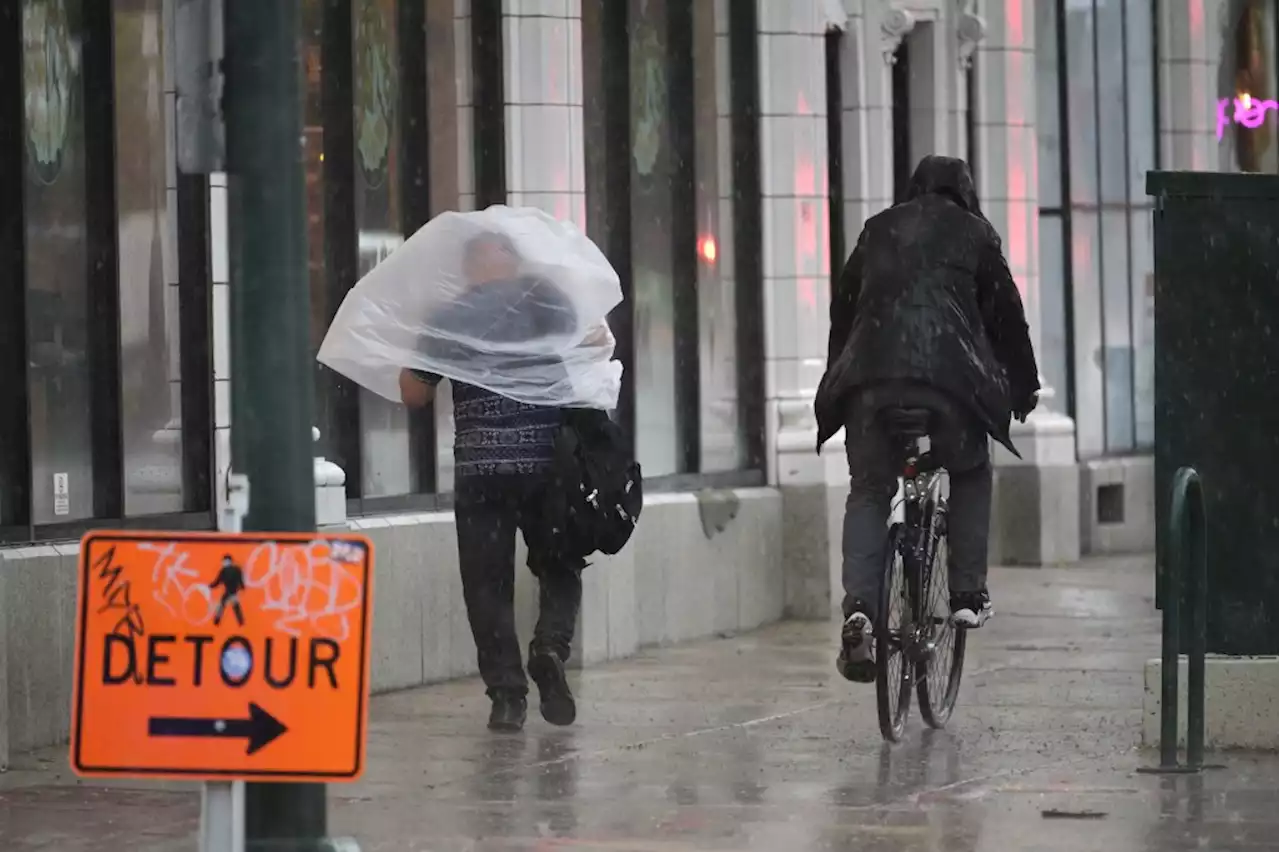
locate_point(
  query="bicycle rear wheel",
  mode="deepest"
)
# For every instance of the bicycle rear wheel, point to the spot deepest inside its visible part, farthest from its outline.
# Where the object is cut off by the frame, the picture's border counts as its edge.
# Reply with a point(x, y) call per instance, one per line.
point(938, 676)
point(893, 672)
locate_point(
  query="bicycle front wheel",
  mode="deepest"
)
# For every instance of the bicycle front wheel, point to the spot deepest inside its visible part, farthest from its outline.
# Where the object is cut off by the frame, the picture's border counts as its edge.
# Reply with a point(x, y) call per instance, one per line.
point(893, 672)
point(938, 675)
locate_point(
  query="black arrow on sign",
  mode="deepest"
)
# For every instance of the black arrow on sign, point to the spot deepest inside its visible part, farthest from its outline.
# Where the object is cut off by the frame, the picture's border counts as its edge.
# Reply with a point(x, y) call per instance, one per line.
point(259, 729)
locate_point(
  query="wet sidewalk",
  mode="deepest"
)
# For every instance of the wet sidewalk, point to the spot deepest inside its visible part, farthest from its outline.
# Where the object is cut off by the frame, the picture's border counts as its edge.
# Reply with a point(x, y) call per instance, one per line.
point(754, 743)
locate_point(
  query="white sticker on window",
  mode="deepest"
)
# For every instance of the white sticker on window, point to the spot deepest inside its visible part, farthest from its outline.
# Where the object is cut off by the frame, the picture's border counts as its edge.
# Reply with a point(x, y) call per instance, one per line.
point(61, 494)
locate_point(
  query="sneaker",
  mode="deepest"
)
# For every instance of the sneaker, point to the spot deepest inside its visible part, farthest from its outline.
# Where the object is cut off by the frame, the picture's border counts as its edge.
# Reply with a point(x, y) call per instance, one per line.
point(508, 713)
point(547, 671)
point(971, 610)
point(857, 660)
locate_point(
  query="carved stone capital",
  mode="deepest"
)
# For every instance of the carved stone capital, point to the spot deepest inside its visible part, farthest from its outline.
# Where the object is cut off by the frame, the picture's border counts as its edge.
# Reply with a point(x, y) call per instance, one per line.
point(894, 27)
point(834, 15)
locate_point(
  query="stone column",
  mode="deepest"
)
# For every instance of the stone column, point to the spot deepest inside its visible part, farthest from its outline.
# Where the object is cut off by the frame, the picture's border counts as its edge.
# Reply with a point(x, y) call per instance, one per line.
point(543, 87)
point(793, 147)
point(1189, 51)
point(1035, 518)
point(873, 31)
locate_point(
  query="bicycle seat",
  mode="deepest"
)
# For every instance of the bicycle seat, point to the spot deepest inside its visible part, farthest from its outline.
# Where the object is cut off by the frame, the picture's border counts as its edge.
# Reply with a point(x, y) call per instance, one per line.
point(908, 422)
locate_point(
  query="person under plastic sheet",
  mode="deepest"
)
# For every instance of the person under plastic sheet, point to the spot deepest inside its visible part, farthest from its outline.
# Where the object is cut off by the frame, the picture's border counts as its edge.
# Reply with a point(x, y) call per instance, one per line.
point(502, 456)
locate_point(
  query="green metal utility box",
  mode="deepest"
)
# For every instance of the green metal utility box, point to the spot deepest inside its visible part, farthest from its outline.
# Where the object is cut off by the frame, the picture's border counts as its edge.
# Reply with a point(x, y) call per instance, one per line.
point(1216, 400)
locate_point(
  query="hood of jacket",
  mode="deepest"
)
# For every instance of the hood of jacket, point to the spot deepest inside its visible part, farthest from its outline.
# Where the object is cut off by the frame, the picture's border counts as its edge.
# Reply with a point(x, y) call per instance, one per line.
point(948, 177)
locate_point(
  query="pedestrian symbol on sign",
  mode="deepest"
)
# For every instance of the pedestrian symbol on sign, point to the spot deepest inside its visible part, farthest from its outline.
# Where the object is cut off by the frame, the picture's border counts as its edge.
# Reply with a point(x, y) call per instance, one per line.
point(231, 579)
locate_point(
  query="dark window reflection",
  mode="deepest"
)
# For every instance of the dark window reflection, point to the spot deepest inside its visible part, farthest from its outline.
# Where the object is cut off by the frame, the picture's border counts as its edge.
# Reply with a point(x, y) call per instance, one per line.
point(56, 260)
point(384, 426)
point(653, 171)
point(723, 441)
point(151, 396)
point(310, 48)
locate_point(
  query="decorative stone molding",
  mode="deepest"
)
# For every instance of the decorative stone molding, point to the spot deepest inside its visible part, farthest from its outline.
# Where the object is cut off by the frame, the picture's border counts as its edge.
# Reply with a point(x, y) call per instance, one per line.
point(795, 413)
point(971, 29)
point(331, 488)
point(834, 15)
point(894, 27)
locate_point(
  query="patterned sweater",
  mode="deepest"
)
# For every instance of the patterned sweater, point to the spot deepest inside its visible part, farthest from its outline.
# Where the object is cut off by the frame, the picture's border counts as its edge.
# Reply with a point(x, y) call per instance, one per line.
point(496, 435)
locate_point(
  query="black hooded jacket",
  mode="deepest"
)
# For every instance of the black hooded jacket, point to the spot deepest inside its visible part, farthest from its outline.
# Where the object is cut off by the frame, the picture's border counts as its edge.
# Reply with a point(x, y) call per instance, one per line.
point(927, 296)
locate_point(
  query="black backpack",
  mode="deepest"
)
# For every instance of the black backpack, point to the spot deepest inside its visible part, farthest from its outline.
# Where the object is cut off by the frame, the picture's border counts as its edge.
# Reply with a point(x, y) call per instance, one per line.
point(597, 492)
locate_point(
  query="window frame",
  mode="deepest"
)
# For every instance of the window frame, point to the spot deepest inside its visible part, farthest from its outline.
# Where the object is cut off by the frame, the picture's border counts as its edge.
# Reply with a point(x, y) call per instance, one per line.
point(833, 54)
point(97, 78)
point(15, 420)
point(748, 232)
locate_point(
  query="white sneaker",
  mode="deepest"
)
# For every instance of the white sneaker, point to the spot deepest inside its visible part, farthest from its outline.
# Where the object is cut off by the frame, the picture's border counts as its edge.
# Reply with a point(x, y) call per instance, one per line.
point(856, 661)
point(856, 636)
point(971, 611)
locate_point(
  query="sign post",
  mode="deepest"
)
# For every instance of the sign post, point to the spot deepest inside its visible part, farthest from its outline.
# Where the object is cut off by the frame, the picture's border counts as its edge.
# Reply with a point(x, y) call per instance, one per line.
point(222, 816)
point(222, 802)
point(271, 358)
point(222, 657)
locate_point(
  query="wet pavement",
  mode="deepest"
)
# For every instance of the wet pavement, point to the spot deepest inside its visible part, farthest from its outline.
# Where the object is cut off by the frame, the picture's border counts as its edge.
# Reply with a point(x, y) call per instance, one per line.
point(753, 743)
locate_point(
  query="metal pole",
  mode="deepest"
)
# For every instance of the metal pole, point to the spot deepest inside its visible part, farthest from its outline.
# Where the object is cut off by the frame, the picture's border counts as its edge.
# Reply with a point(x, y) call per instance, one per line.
point(222, 802)
point(1170, 644)
point(270, 306)
point(222, 817)
point(1196, 546)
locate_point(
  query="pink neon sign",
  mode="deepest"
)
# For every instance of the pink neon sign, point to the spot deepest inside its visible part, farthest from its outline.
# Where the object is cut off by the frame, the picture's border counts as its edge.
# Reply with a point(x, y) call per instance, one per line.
point(1249, 112)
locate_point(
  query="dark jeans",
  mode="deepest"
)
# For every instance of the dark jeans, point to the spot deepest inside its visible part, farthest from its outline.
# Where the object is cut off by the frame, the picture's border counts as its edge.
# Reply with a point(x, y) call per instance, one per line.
point(488, 511)
point(959, 441)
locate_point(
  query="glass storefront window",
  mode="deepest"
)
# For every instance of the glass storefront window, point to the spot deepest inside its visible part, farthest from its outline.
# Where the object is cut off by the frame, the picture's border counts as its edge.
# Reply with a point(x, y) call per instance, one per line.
point(151, 421)
point(722, 441)
point(378, 165)
point(57, 261)
point(653, 172)
point(1048, 130)
point(1140, 58)
point(310, 46)
point(449, 97)
point(1113, 103)
point(1086, 291)
point(1053, 322)
point(1117, 342)
point(662, 159)
point(384, 425)
point(1144, 326)
point(1082, 132)
point(1111, 140)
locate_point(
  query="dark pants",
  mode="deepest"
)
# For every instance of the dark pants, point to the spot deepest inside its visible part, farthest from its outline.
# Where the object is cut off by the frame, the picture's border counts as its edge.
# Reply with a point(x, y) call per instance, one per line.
point(488, 510)
point(958, 441)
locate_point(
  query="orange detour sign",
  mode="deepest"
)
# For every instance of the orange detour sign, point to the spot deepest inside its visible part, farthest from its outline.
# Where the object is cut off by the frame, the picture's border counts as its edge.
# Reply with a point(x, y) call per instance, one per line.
point(222, 656)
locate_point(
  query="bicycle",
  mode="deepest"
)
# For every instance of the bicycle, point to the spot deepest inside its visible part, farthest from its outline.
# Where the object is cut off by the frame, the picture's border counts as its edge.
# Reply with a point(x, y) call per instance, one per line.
point(923, 640)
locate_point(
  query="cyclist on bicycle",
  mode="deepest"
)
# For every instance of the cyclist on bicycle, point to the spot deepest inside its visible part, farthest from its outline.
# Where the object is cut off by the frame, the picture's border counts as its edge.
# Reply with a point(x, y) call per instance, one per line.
point(926, 315)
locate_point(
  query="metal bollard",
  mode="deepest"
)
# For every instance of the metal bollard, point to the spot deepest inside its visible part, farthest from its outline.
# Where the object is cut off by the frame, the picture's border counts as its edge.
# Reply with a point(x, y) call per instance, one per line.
point(1187, 568)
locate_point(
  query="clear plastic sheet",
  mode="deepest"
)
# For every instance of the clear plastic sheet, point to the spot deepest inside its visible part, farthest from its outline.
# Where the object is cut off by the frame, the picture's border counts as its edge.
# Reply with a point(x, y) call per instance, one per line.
point(507, 299)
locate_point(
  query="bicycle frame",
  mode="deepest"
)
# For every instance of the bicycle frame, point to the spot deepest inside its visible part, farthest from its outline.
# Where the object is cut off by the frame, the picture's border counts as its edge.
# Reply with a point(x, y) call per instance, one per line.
point(924, 511)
